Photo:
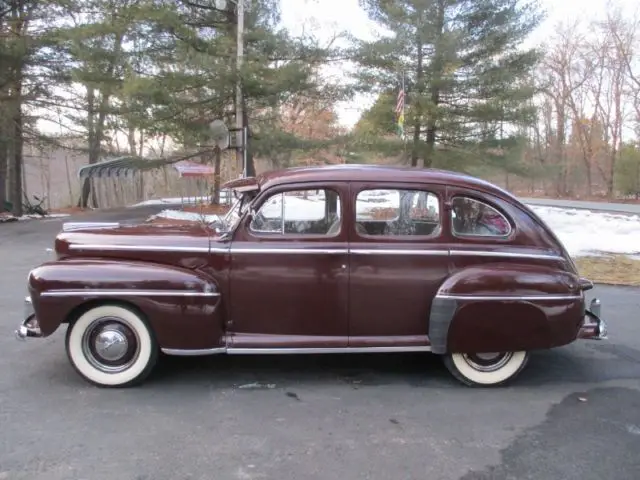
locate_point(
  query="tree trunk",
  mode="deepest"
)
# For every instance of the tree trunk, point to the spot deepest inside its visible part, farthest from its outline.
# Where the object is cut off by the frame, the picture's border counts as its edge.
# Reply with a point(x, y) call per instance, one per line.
point(16, 192)
point(251, 168)
point(4, 157)
point(96, 128)
point(436, 76)
point(417, 118)
point(587, 167)
point(216, 176)
point(15, 181)
point(83, 202)
point(3, 164)
point(14, 128)
point(561, 186)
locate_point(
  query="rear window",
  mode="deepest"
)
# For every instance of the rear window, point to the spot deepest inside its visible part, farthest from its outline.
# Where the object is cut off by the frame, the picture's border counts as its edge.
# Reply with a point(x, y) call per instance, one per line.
point(471, 217)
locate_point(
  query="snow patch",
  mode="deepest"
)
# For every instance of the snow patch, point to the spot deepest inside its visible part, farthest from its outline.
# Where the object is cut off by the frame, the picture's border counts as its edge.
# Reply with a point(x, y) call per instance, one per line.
point(191, 216)
point(7, 217)
point(181, 200)
point(585, 232)
point(174, 200)
point(50, 215)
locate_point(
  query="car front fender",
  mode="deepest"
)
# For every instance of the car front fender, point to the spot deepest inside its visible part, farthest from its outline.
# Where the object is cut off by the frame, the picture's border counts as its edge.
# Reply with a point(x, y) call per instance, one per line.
point(181, 305)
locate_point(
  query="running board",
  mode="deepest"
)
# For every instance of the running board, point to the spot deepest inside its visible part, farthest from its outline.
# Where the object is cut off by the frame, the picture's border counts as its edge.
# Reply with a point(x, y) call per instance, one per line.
point(294, 350)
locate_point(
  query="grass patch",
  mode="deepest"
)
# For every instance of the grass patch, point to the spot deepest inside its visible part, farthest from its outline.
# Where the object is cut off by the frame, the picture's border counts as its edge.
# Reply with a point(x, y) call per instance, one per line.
point(612, 269)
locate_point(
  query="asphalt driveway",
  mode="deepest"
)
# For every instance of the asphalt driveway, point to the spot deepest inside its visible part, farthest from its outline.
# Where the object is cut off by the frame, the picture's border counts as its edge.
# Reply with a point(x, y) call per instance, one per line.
point(573, 414)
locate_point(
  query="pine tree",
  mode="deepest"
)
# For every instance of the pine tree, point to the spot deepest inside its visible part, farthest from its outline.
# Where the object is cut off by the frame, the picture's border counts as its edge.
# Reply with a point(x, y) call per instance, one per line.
point(276, 68)
point(466, 77)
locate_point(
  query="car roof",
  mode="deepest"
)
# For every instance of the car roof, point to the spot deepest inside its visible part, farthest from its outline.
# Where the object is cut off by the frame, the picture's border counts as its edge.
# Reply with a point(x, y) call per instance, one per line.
point(366, 173)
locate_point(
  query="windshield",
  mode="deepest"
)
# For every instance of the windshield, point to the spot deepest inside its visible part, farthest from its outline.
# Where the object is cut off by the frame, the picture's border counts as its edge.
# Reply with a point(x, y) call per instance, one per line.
point(231, 219)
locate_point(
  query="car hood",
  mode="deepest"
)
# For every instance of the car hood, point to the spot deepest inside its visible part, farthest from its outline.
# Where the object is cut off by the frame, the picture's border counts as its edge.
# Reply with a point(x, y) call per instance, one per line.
point(133, 241)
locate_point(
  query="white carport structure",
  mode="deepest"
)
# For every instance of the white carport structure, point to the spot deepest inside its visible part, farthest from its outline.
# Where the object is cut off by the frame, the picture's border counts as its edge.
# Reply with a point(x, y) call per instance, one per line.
point(127, 180)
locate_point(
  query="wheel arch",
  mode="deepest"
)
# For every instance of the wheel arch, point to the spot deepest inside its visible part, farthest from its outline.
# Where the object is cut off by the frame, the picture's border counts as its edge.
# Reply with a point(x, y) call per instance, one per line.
point(505, 307)
point(180, 305)
point(76, 312)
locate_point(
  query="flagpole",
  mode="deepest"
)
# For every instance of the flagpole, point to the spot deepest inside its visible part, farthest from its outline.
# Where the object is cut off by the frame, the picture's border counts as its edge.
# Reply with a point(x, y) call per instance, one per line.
point(404, 93)
point(399, 111)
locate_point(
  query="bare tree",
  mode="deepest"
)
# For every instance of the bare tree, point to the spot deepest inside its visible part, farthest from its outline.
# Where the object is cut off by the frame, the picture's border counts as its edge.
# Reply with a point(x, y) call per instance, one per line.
point(611, 106)
point(626, 38)
point(561, 78)
point(589, 84)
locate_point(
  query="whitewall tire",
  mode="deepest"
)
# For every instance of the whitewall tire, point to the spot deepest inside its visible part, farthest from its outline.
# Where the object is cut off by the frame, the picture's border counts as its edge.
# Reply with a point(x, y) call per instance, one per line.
point(111, 346)
point(486, 369)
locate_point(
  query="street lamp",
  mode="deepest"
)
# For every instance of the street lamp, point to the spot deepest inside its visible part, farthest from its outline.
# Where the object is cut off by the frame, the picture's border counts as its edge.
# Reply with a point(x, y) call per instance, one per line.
point(240, 134)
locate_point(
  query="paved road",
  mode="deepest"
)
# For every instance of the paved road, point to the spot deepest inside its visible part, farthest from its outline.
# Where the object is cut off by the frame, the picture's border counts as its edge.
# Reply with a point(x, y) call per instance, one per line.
point(353, 417)
point(626, 208)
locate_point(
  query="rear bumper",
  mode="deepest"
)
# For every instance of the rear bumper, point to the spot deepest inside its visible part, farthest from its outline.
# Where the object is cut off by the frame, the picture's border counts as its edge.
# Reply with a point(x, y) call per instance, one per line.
point(29, 326)
point(593, 327)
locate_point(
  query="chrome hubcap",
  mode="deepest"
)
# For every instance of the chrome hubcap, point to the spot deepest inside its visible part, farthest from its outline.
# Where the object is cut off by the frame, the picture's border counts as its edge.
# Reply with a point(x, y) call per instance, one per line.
point(487, 362)
point(110, 345)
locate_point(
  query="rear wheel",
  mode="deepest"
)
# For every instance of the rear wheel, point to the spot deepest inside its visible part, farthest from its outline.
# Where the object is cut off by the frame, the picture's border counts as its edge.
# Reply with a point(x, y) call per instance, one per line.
point(486, 369)
point(111, 346)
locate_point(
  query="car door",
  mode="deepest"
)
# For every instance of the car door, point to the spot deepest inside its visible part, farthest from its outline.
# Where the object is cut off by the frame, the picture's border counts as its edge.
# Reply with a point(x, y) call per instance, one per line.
point(398, 259)
point(289, 270)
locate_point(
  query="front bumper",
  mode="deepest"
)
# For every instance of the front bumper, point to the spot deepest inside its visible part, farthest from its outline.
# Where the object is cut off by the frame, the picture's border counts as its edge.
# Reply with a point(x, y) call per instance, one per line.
point(29, 326)
point(593, 327)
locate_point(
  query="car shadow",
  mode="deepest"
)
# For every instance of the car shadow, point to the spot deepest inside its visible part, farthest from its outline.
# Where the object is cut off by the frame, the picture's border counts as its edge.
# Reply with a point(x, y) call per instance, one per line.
point(282, 370)
point(571, 364)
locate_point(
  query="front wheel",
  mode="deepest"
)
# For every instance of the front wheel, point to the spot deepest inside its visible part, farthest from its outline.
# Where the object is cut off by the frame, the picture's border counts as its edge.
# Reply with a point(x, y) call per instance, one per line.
point(486, 369)
point(111, 346)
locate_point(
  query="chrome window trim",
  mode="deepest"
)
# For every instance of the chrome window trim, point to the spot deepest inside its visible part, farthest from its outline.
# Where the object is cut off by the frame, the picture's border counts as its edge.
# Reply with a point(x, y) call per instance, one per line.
point(130, 293)
point(492, 253)
point(479, 235)
point(549, 297)
point(150, 248)
point(399, 251)
point(272, 232)
point(331, 251)
point(281, 233)
point(437, 232)
point(296, 250)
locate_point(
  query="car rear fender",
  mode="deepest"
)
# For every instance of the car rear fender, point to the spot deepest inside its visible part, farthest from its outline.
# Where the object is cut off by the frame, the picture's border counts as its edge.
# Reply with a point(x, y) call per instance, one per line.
point(506, 307)
point(180, 304)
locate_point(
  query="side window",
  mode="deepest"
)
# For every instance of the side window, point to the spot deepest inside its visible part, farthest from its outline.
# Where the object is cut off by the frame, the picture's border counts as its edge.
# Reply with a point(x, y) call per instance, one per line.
point(397, 212)
point(299, 212)
point(470, 217)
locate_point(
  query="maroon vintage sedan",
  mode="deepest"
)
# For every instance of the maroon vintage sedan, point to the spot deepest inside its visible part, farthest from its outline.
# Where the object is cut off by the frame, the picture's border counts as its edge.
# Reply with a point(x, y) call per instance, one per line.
point(334, 259)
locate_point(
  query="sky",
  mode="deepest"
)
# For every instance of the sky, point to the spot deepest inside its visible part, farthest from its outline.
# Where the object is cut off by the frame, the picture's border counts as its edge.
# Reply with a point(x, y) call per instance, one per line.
point(328, 16)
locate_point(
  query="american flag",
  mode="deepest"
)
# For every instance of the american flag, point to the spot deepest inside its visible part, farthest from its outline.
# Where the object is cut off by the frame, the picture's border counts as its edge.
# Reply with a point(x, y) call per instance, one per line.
point(400, 102)
point(400, 110)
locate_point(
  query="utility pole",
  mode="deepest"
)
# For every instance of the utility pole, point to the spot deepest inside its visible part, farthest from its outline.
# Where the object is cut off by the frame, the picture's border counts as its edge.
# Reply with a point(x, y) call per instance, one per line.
point(240, 134)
